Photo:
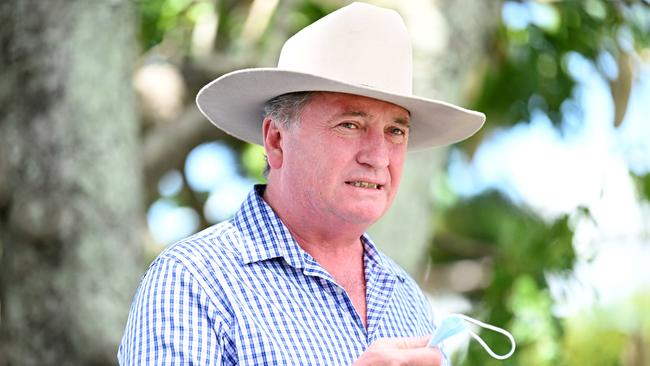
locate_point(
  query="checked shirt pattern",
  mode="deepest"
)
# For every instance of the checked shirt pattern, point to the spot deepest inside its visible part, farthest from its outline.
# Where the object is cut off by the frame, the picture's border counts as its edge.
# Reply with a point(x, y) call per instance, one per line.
point(244, 292)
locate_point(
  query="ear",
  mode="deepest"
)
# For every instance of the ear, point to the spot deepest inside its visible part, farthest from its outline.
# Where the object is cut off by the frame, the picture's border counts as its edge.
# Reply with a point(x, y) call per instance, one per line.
point(272, 142)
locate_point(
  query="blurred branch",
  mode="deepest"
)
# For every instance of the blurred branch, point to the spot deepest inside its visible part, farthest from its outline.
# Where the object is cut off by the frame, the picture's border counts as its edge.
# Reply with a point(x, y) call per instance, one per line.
point(191, 198)
point(259, 15)
point(198, 71)
point(461, 276)
point(165, 146)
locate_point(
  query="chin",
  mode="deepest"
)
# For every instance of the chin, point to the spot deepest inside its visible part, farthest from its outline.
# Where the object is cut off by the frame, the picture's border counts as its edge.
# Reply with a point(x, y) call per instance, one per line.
point(364, 215)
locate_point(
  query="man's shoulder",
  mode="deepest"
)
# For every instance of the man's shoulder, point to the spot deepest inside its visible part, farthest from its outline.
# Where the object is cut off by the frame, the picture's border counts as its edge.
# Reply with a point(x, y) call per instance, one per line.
point(209, 249)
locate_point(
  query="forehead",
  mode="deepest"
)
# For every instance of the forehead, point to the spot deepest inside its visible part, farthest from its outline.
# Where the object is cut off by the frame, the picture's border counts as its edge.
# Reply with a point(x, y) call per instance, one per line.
point(342, 102)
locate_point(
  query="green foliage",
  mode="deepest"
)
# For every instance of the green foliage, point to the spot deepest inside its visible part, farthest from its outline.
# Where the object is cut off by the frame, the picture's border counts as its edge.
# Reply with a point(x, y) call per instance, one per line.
point(523, 248)
point(252, 161)
point(643, 185)
point(527, 72)
point(163, 19)
point(610, 335)
point(589, 342)
point(528, 68)
point(517, 235)
point(157, 17)
point(307, 12)
point(533, 325)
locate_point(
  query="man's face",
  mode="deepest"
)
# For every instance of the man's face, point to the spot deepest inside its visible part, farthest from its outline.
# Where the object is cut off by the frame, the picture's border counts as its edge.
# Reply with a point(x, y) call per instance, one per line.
point(343, 161)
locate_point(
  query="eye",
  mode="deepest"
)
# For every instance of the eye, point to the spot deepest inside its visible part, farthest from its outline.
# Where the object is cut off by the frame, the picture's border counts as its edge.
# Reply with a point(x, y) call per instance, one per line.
point(397, 131)
point(348, 125)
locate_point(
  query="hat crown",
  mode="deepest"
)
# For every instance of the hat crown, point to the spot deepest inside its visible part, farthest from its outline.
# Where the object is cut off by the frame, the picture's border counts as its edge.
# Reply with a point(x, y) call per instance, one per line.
point(360, 44)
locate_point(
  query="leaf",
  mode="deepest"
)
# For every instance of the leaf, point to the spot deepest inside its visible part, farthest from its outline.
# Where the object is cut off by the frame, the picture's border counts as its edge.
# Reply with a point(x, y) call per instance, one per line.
point(621, 87)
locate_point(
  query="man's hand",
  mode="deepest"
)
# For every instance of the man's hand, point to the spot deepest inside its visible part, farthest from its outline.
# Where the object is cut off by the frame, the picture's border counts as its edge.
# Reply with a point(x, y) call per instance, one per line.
point(401, 351)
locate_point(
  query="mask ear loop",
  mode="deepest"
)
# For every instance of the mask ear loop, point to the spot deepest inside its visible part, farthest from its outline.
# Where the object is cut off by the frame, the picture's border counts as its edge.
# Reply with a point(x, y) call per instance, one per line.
point(493, 328)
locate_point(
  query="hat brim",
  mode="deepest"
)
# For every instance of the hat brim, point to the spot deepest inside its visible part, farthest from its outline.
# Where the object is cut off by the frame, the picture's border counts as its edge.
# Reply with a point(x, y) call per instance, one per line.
point(235, 102)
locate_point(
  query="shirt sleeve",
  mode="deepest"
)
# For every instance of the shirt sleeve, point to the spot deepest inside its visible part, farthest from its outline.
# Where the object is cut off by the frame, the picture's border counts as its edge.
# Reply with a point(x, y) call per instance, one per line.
point(171, 321)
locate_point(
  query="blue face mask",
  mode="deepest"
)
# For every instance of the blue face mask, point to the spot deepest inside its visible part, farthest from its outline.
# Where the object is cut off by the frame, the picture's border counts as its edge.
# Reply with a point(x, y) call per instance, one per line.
point(457, 323)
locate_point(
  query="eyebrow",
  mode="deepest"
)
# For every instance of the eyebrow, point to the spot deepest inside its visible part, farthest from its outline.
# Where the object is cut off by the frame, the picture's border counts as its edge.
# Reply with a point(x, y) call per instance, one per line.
point(399, 120)
point(403, 122)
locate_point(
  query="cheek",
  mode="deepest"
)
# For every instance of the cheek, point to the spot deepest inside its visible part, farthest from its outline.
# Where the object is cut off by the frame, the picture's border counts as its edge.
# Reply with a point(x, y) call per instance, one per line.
point(307, 169)
point(327, 160)
point(298, 157)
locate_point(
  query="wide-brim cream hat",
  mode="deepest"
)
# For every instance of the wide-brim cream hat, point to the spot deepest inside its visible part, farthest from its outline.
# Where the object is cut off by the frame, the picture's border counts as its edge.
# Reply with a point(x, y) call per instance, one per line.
point(359, 49)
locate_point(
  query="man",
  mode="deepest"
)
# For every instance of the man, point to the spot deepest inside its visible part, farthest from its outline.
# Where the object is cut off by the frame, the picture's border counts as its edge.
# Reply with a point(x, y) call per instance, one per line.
point(293, 279)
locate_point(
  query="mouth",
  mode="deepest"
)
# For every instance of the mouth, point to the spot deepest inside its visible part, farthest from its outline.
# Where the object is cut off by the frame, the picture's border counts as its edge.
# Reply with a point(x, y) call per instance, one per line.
point(363, 184)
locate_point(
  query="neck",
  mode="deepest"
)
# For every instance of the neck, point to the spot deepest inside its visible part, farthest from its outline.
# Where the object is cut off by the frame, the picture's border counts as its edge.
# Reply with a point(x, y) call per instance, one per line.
point(323, 238)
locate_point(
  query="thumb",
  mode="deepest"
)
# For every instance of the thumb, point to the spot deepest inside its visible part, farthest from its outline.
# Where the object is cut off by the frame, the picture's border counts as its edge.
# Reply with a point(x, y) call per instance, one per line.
point(414, 342)
point(403, 343)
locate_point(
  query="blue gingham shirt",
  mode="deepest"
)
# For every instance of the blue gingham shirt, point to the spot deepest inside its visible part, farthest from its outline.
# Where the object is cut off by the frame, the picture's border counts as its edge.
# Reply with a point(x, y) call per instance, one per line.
point(244, 292)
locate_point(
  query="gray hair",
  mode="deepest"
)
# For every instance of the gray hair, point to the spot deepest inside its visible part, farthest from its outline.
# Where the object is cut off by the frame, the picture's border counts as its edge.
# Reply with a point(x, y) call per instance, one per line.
point(286, 110)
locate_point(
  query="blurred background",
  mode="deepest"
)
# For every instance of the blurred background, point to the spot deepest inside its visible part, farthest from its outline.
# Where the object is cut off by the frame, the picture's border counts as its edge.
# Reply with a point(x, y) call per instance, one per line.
point(539, 224)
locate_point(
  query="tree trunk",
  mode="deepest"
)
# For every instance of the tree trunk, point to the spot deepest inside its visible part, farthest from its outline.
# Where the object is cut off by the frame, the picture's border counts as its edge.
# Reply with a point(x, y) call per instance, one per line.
point(459, 33)
point(70, 211)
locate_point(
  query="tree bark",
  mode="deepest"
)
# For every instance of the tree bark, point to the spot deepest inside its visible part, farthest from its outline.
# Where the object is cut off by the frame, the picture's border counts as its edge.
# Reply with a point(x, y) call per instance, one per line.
point(70, 180)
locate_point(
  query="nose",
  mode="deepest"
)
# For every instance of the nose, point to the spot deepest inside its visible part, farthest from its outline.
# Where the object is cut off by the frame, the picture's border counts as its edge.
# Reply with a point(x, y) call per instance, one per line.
point(373, 150)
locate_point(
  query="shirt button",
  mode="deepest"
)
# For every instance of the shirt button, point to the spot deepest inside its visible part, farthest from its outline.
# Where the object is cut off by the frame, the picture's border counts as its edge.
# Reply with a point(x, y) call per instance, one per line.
point(339, 290)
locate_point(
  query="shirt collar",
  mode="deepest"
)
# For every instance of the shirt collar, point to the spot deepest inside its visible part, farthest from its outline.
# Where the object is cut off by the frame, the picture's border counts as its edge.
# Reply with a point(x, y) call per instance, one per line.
point(374, 258)
point(266, 237)
point(264, 234)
